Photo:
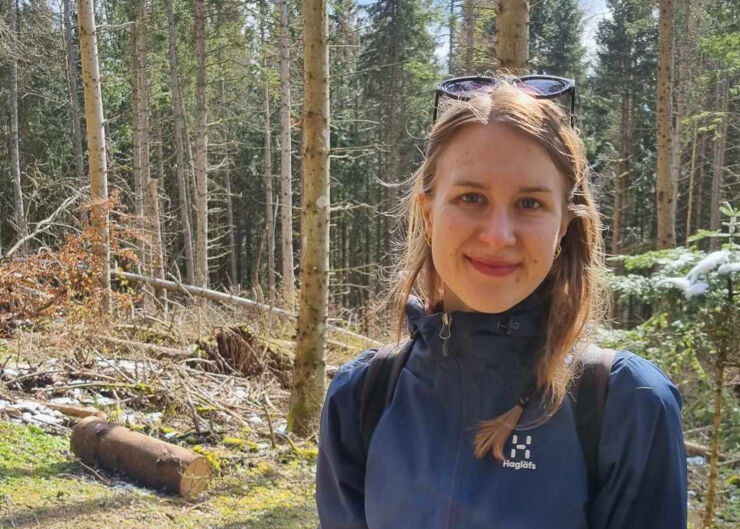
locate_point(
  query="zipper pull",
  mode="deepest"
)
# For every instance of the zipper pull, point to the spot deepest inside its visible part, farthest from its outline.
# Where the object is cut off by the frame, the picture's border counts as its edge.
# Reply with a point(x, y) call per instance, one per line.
point(446, 332)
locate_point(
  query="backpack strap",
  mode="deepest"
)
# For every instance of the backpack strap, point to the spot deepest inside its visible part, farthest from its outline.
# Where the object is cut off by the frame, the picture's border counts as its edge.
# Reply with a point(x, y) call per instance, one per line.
point(590, 391)
point(377, 388)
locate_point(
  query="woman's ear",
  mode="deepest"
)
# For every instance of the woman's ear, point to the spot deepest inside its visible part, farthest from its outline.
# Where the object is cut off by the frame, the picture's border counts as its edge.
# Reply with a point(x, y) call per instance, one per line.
point(426, 210)
point(564, 224)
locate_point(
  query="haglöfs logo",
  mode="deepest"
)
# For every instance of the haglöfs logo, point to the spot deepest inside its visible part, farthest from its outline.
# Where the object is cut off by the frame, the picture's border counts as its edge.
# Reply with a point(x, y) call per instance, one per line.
point(522, 448)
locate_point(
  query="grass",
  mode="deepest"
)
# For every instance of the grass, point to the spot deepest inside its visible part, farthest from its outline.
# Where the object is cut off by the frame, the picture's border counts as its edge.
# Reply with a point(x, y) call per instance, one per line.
point(42, 485)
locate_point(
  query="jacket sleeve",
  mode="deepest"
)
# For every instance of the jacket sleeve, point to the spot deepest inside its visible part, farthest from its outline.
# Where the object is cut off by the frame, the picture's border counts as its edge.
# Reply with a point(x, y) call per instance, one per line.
point(340, 469)
point(642, 459)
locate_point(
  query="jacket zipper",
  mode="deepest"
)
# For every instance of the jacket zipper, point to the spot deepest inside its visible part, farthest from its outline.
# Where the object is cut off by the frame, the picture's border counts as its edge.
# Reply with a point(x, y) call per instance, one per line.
point(446, 334)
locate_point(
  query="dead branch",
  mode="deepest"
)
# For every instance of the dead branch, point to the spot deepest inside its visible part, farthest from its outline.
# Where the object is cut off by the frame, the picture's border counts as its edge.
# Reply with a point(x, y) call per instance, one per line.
point(158, 351)
point(43, 225)
point(214, 295)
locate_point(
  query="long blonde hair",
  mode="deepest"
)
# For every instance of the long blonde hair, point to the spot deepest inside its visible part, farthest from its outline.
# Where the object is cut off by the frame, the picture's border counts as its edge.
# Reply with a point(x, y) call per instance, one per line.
point(577, 294)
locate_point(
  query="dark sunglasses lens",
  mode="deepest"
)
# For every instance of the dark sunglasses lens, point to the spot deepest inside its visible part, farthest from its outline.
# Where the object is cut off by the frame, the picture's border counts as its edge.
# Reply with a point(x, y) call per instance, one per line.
point(466, 87)
point(542, 87)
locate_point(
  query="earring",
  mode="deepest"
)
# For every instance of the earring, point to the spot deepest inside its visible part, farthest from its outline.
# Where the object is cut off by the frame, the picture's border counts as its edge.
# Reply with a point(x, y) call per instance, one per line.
point(557, 251)
point(428, 238)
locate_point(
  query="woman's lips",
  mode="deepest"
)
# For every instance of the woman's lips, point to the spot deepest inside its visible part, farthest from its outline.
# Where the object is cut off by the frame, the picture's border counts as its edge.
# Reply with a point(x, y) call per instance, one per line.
point(496, 269)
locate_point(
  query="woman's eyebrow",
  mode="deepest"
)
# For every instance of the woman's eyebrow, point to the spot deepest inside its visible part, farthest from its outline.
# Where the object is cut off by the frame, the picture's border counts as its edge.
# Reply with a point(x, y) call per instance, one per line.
point(469, 183)
point(537, 189)
point(480, 185)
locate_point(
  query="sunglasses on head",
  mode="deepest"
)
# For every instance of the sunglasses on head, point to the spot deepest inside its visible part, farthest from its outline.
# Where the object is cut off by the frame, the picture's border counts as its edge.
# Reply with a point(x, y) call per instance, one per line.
point(538, 86)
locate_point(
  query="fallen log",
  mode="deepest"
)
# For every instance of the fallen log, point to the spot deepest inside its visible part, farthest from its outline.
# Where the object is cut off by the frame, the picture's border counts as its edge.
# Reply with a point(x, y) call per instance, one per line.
point(158, 351)
point(75, 411)
point(695, 449)
point(214, 295)
point(154, 463)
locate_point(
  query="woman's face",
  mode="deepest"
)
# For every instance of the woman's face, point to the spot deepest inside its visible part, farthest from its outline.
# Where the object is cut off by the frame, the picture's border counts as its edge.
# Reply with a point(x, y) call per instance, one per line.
point(496, 216)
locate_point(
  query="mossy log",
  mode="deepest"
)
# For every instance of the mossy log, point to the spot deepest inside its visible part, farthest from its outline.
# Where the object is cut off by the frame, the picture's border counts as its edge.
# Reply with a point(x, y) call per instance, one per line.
point(154, 463)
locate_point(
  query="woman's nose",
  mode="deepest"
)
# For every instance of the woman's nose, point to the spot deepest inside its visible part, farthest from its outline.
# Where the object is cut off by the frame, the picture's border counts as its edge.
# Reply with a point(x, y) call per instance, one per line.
point(497, 229)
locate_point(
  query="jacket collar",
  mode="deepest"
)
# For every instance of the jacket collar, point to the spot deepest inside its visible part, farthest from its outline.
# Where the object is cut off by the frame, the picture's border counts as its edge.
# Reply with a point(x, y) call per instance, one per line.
point(483, 337)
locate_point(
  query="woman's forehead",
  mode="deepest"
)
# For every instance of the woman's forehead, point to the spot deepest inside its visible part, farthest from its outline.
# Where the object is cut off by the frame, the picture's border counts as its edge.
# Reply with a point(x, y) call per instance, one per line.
point(495, 155)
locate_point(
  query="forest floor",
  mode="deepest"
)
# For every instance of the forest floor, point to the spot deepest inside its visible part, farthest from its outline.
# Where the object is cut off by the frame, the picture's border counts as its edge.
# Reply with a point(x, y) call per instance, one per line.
point(262, 477)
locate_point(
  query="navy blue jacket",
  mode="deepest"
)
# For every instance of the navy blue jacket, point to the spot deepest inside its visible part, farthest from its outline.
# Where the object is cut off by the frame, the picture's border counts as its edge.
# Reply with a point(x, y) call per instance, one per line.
point(420, 471)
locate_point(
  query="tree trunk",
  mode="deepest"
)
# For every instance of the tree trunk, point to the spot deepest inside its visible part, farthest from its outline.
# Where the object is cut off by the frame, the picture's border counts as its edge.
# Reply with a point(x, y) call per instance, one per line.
point(469, 35)
point(720, 142)
point(714, 457)
point(622, 176)
point(286, 177)
point(270, 225)
point(512, 39)
point(21, 227)
point(74, 102)
point(310, 360)
point(201, 192)
point(96, 144)
point(155, 463)
point(182, 195)
point(690, 199)
point(677, 136)
point(227, 180)
point(137, 141)
point(452, 21)
point(666, 237)
point(152, 231)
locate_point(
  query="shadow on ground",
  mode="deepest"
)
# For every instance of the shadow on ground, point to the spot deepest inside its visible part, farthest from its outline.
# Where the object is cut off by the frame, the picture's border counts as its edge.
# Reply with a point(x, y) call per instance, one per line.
point(43, 516)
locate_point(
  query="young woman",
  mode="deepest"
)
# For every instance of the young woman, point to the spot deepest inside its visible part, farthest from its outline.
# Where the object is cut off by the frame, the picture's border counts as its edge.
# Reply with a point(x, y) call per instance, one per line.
point(504, 248)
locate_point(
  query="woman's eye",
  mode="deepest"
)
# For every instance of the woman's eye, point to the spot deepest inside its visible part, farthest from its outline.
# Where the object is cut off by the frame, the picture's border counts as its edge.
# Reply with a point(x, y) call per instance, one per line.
point(531, 203)
point(471, 198)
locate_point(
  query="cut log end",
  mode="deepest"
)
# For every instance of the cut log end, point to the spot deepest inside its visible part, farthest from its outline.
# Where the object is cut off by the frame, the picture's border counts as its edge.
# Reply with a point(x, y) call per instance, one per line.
point(195, 478)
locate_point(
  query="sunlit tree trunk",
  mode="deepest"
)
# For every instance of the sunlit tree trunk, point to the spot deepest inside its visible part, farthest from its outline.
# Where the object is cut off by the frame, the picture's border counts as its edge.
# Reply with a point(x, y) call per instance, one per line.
point(177, 117)
point(201, 162)
point(310, 360)
point(95, 144)
point(682, 38)
point(286, 177)
point(720, 142)
point(15, 165)
point(74, 102)
point(512, 39)
point(622, 175)
point(469, 8)
point(154, 262)
point(690, 199)
point(452, 22)
point(666, 237)
point(269, 219)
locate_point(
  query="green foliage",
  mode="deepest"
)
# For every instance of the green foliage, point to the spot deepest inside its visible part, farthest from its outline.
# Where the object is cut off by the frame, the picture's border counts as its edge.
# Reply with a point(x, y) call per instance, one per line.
point(691, 332)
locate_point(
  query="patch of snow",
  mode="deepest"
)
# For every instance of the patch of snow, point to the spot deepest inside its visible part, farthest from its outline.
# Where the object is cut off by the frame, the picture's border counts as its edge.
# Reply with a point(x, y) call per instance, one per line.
point(254, 419)
point(689, 288)
point(728, 268)
point(152, 417)
point(281, 426)
point(99, 400)
point(130, 487)
point(696, 460)
point(708, 263)
point(66, 401)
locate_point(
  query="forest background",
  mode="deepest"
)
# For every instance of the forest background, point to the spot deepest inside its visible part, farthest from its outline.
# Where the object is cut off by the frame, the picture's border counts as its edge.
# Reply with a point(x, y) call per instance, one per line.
point(203, 127)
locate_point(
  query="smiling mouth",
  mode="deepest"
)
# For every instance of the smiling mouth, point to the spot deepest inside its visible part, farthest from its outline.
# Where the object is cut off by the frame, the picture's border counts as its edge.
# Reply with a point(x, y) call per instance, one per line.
point(497, 270)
